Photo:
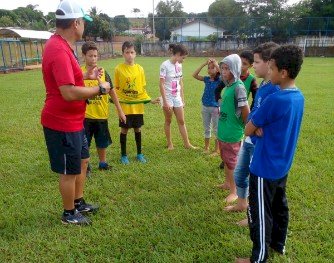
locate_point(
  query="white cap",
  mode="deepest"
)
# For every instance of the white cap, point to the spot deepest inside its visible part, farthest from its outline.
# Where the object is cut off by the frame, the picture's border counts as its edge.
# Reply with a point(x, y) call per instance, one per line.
point(72, 10)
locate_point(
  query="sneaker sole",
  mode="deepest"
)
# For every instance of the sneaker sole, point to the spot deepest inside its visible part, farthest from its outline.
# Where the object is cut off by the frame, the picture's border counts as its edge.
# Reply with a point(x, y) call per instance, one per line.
point(72, 224)
point(93, 212)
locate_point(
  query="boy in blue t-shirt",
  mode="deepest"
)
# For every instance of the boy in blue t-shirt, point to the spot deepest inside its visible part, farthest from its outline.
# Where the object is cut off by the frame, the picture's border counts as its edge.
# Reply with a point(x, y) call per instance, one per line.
point(277, 124)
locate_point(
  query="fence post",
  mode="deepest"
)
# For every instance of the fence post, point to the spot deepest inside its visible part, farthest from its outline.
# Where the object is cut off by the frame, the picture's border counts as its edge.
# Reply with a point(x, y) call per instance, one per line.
point(3, 56)
point(21, 54)
point(10, 54)
point(37, 51)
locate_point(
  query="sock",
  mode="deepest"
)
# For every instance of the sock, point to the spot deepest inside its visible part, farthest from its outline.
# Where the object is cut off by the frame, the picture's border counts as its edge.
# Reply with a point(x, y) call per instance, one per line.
point(79, 200)
point(122, 140)
point(69, 212)
point(138, 141)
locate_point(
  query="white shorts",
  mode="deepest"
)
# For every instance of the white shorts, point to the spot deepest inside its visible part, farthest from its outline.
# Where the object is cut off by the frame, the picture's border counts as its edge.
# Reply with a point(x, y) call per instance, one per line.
point(174, 101)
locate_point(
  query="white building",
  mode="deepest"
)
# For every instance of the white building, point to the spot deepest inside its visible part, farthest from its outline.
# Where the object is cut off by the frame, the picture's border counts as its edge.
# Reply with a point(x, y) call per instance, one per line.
point(194, 29)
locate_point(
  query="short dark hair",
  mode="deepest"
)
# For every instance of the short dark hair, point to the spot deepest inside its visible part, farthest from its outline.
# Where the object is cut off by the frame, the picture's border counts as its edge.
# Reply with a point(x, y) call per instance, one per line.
point(178, 48)
point(63, 23)
point(248, 55)
point(290, 58)
point(89, 45)
point(264, 50)
point(127, 45)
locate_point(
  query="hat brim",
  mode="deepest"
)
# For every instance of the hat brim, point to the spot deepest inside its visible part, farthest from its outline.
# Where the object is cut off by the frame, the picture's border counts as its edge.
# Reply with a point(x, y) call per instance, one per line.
point(88, 18)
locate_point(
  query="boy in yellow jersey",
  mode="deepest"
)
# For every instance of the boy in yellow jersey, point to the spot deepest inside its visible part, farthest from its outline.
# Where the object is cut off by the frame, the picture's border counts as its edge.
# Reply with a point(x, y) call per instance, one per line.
point(130, 85)
point(97, 110)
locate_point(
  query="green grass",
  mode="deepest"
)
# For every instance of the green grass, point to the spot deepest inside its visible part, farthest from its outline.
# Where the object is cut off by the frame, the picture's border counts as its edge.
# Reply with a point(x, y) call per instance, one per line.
point(169, 209)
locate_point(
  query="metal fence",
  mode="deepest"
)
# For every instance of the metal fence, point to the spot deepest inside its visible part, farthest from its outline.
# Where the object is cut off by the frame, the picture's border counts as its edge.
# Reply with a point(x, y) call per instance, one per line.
point(202, 36)
point(205, 28)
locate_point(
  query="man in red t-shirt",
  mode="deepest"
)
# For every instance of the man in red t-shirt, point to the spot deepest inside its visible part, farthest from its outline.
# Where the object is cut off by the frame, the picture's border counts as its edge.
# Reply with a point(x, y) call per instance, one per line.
point(64, 110)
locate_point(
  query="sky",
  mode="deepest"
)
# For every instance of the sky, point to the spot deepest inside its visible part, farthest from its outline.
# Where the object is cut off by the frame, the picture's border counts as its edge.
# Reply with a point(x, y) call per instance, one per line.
point(111, 7)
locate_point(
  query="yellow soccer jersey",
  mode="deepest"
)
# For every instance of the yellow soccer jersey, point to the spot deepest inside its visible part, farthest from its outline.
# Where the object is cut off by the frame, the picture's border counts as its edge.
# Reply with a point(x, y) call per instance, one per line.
point(130, 85)
point(98, 107)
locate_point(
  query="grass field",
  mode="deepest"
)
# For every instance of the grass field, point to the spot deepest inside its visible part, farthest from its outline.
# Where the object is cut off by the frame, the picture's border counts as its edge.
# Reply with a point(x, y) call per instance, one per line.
point(169, 209)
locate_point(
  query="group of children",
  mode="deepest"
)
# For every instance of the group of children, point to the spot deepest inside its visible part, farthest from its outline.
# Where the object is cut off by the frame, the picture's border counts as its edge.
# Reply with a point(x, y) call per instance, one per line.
point(256, 143)
point(129, 96)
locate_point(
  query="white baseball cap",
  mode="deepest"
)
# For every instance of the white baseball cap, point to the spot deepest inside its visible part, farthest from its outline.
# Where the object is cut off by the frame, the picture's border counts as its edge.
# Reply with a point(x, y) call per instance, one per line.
point(72, 10)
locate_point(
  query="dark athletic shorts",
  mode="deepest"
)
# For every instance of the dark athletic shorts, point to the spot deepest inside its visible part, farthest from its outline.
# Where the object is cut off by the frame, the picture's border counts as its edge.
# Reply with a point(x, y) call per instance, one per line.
point(133, 121)
point(99, 130)
point(66, 150)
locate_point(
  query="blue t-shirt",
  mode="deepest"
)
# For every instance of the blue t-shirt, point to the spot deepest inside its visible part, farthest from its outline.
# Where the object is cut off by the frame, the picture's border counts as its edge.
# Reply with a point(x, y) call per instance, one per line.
point(208, 98)
point(263, 91)
point(280, 117)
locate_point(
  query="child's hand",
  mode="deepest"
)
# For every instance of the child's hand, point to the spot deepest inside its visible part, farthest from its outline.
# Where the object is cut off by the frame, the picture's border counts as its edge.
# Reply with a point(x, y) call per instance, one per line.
point(167, 107)
point(122, 117)
point(94, 73)
point(156, 100)
point(259, 132)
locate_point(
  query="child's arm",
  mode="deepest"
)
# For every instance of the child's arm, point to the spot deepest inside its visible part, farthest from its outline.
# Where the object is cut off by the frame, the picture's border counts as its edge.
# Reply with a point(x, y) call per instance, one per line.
point(197, 71)
point(182, 91)
point(244, 113)
point(251, 129)
point(120, 112)
point(165, 105)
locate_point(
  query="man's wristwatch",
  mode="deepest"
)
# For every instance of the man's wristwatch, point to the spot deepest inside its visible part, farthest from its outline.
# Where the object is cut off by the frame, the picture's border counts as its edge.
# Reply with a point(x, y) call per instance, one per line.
point(102, 90)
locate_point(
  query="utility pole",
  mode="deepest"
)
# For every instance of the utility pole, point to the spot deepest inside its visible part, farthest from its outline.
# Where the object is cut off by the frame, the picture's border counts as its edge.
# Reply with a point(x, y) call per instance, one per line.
point(153, 29)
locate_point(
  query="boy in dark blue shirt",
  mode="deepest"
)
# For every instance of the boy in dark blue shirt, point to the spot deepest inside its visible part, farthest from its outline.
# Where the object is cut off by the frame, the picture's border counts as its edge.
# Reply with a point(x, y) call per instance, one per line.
point(277, 124)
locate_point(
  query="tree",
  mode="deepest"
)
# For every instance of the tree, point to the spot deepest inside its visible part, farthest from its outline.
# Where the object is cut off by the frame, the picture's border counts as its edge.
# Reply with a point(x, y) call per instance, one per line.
point(121, 23)
point(270, 16)
point(135, 11)
point(101, 27)
point(6, 21)
point(50, 20)
point(312, 17)
point(229, 15)
point(169, 14)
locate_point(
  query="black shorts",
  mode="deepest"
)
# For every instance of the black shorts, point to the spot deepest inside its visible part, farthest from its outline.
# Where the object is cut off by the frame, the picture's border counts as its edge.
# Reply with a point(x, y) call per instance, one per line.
point(66, 150)
point(132, 121)
point(99, 130)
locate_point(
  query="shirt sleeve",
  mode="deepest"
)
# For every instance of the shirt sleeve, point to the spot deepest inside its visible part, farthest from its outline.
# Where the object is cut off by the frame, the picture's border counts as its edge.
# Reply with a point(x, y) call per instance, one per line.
point(240, 96)
point(62, 69)
point(108, 79)
point(163, 71)
point(266, 113)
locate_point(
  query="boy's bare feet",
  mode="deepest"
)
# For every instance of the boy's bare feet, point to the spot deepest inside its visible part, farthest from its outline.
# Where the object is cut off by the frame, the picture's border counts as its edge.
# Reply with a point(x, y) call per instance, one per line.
point(231, 198)
point(206, 151)
point(189, 146)
point(170, 147)
point(243, 223)
point(224, 186)
point(214, 154)
point(235, 208)
point(242, 260)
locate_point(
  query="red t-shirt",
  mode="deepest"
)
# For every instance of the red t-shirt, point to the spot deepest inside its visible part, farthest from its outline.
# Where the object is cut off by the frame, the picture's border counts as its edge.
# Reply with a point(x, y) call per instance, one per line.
point(60, 67)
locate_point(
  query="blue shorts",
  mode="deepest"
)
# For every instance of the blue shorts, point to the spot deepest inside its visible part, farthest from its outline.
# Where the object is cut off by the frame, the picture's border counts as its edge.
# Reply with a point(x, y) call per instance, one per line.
point(66, 150)
point(99, 130)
